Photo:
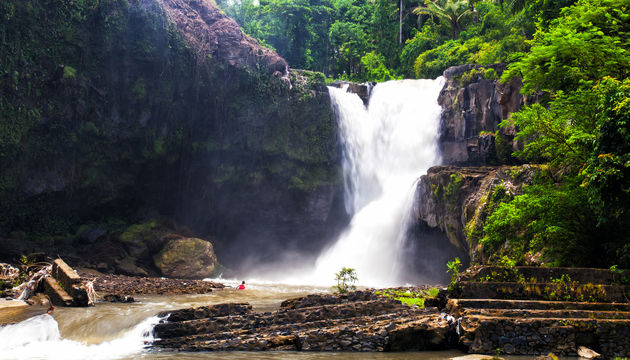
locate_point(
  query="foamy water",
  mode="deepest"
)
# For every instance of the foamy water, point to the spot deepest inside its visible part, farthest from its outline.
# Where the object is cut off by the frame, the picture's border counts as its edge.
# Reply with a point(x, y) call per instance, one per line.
point(39, 338)
point(387, 146)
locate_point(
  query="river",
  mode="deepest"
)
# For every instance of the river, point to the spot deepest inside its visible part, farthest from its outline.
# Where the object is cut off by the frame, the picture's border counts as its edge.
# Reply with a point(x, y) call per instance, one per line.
point(119, 331)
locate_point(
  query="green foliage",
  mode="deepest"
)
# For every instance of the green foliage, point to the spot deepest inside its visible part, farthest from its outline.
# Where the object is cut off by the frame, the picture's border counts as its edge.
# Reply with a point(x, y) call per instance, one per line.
point(345, 279)
point(477, 74)
point(408, 296)
point(422, 41)
point(453, 267)
point(548, 217)
point(451, 191)
point(375, 69)
point(493, 39)
point(452, 13)
point(430, 64)
point(144, 232)
point(69, 72)
point(587, 42)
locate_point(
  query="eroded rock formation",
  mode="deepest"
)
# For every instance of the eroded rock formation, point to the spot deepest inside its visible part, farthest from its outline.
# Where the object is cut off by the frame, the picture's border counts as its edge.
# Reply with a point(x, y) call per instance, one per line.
point(455, 200)
point(358, 321)
point(474, 102)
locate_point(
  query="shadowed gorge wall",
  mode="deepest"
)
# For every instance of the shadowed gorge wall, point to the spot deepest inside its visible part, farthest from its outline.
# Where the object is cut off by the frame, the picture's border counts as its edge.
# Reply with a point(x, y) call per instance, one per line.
point(114, 112)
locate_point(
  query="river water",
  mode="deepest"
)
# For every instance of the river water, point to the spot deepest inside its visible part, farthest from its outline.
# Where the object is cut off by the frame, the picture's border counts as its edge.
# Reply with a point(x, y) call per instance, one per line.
point(119, 331)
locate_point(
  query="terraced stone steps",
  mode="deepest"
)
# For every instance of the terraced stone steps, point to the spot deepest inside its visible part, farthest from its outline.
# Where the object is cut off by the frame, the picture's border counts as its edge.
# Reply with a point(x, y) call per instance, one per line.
point(545, 291)
point(225, 326)
point(249, 320)
point(534, 311)
point(537, 274)
point(453, 304)
point(543, 335)
point(547, 314)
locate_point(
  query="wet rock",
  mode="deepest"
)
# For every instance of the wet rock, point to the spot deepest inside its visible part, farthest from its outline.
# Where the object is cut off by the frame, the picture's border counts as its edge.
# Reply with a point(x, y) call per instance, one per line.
point(213, 34)
point(117, 298)
point(363, 91)
point(550, 356)
point(349, 322)
point(464, 205)
point(587, 353)
point(189, 258)
point(92, 235)
point(473, 107)
point(128, 285)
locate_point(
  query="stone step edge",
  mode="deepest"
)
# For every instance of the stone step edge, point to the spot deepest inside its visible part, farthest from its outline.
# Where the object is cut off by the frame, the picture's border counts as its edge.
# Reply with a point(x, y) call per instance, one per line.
point(246, 317)
point(462, 301)
point(534, 319)
point(58, 296)
point(334, 323)
point(404, 309)
point(600, 314)
point(168, 314)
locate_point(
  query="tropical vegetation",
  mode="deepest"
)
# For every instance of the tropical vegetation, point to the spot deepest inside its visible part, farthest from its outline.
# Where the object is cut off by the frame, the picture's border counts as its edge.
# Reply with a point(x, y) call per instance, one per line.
point(574, 61)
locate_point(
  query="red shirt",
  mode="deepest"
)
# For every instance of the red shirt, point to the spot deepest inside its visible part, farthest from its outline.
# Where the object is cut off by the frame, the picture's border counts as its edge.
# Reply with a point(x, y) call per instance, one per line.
point(241, 287)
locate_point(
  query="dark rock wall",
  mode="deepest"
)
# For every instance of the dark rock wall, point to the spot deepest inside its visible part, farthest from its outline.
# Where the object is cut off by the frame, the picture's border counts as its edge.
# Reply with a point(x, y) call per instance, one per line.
point(456, 201)
point(473, 107)
point(452, 200)
point(115, 112)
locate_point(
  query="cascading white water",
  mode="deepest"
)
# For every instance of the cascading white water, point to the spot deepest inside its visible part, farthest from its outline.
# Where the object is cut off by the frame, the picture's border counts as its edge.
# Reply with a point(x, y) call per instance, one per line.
point(387, 146)
point(39, 338)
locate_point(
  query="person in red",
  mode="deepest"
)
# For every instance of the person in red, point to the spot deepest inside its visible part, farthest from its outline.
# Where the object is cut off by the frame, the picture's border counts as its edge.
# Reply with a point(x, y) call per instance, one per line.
point(242, 286)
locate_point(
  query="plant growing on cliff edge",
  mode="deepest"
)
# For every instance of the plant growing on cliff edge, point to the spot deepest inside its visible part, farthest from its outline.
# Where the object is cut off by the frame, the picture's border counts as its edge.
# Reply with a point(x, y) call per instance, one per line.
point(453, 268)
point(345, 280)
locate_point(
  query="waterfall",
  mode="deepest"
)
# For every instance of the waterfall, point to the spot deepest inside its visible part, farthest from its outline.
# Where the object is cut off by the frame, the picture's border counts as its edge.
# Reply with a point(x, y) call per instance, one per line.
point(386, 148)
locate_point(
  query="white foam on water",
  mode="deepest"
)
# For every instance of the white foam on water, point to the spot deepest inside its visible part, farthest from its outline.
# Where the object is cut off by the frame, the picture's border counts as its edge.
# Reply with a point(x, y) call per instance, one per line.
point(39, 338)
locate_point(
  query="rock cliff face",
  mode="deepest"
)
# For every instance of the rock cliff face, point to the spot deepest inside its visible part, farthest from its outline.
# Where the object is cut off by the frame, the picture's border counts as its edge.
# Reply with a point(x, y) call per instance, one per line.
point(474, 103)
point(456, 200)
point(452, 201)
point(123, 111)
point(211, 33)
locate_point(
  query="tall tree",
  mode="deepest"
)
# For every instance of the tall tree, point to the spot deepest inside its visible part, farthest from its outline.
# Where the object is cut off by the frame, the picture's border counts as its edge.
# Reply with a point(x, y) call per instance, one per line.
point(451, 12)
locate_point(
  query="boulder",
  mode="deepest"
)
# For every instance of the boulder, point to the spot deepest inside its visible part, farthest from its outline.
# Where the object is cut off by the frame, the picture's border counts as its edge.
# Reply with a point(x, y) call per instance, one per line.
point(187, 258)
point(587, 353)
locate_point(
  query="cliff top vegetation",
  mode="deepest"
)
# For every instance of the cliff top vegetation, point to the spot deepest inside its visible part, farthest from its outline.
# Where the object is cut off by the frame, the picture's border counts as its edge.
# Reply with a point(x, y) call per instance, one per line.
point(573, 56)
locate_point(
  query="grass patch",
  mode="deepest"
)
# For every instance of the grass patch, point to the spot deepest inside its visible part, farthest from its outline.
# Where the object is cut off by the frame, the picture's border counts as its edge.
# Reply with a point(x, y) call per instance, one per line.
point(411, 297)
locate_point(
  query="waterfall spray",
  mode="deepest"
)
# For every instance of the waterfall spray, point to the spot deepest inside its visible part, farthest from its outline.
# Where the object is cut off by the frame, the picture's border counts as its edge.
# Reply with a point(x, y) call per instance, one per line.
point(386, 148)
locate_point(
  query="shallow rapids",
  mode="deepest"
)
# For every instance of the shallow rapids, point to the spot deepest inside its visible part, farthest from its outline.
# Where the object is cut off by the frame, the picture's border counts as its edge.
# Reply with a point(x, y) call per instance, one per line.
point(120, 331)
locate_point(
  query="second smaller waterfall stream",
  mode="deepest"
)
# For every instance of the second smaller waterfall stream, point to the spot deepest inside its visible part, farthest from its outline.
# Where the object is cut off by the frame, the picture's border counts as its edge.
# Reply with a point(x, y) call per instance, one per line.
point(387, 146)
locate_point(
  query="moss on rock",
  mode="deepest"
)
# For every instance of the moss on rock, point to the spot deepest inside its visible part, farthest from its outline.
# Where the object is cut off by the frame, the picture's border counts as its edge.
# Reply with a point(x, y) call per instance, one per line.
point(187, 258)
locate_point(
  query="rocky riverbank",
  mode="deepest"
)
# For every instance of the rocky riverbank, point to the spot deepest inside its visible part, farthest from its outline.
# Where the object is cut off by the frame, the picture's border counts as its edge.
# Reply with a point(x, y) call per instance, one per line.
point(548, 314)
point(358, 321)
point(108, 284)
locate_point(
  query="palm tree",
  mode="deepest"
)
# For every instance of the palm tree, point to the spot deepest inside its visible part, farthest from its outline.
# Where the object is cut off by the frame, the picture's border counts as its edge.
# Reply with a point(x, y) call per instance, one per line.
point(452, 12)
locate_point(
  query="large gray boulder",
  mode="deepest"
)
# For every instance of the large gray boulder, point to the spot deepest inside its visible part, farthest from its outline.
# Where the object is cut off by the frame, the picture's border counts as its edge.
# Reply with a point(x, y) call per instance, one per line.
point(188, 258)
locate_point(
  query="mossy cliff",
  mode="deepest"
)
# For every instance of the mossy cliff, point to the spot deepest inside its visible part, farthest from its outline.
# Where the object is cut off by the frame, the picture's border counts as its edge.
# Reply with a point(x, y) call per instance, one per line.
point(114, 112)
point(474, 102)
point(453, 201)
point(457, 200)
